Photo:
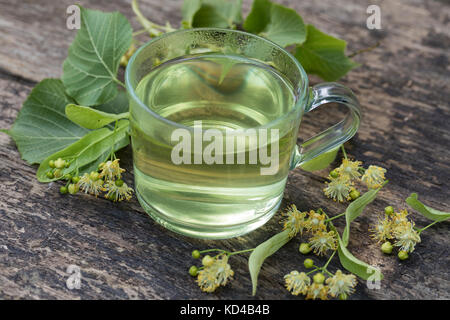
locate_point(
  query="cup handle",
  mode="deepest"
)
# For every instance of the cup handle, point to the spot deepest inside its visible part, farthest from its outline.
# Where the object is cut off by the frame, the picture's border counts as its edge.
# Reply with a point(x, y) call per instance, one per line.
point(336, 135)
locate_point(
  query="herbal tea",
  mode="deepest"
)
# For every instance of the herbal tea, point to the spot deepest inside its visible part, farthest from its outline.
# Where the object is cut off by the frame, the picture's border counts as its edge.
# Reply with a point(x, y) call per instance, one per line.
point(221, 94)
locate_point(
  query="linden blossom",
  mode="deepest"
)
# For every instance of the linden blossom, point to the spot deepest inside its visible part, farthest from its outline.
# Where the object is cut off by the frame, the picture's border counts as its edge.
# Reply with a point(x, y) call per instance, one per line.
point(237, 142)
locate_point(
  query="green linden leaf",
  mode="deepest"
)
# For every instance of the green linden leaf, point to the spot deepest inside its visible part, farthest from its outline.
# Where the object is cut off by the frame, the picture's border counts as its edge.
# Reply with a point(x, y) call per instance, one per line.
point(356, 266)
point(426, 211)
point(263, 251)
point(320, 162)
point(280, 24)
point(89, 118)
point(188, 10)
point(353, 264)
point(259, 16)
point(90, 70)
point(119, 104)
point(355, 209)
point(42, 128)
point(94, 147)
point(324, 55)
point(218, 13)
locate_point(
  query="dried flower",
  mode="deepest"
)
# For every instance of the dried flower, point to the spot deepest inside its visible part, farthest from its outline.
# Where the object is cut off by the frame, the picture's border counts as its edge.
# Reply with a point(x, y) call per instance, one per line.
point(295, 221)
point(350, 169)
point(317, 291)
point(406, 236)
point(399, 218)
point(90, 183)
point(341, 283)
point(297, 282)
point(111, 170)
point(323, 241)
point(373, 177)
point(382, 230)
point(315, 222)
point(338, 189)
point(218, 274)
point(117, 190)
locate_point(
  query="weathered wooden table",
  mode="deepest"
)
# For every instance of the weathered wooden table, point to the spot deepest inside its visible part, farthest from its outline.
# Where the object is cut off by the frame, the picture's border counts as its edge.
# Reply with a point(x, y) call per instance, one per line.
point(403, 86)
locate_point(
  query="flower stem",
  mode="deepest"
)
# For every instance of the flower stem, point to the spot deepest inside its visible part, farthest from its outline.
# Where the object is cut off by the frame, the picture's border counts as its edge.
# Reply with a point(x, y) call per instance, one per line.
point(335, 217)
point(328, 262)
point(343, 151)
point(426, 227)
point(241, 251)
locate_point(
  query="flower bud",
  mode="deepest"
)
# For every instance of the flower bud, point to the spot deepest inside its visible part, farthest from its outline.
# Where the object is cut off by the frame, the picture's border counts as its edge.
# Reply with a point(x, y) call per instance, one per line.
point(63, 190)
point(57, 173)
point(76, 179)
point(334, 173)
point(94, 175)
point(308, 263)
point(403, 255)
point(193, 271)
point(304, 248)
point(51, 163)
point(72, 188)
point(119, 182)
point(196, 254)
point(343, 296)
point(207, 261)
point(318, 278)
point(389, 210)
point(387, 247)
point(354, 194)
point(60, 163)
point(50, 175)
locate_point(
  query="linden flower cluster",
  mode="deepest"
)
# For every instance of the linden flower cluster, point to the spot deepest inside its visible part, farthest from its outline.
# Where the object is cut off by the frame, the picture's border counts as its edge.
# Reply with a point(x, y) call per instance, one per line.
point(321, 240)
point(338, 285)
point(341, 185)
point(106, 179)
point(397, 227)
point(214, 273)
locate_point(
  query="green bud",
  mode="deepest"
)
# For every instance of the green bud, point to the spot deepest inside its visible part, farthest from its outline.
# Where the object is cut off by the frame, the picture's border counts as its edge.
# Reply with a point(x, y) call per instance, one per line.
point(63, 190)
point(343, 296)
point(94, 175)
point(318, 278)
point(387, 247)
point(51, 163)
point(75, 179)
point(389, 210)
point(57, 173)
point(308, 263)
point(100, 166)
point(67, 164)
point(354, 194)
point(60, 163)
point(119, 182)
point(73, 188)
point(68, 176)
point(304, 248)
point(196, 254)
point(50, 175)
point(207, 261)
point(334, 173)
point(403, 255)
point(193, 271)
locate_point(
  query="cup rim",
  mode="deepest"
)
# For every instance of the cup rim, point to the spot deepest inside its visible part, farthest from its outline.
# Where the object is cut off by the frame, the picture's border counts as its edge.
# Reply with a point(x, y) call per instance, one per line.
point(301, 92)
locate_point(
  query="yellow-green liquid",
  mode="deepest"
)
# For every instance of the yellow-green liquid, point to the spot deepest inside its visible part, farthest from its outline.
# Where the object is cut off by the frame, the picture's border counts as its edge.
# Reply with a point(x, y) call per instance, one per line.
point(224, 92)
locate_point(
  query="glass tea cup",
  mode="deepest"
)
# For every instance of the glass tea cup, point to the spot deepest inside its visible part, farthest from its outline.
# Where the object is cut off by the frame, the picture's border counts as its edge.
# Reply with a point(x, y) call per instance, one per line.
point(214, 119)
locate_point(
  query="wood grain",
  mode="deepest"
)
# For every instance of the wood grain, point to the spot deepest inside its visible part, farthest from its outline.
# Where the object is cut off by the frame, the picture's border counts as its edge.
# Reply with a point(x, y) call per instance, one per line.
point(403, 86)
